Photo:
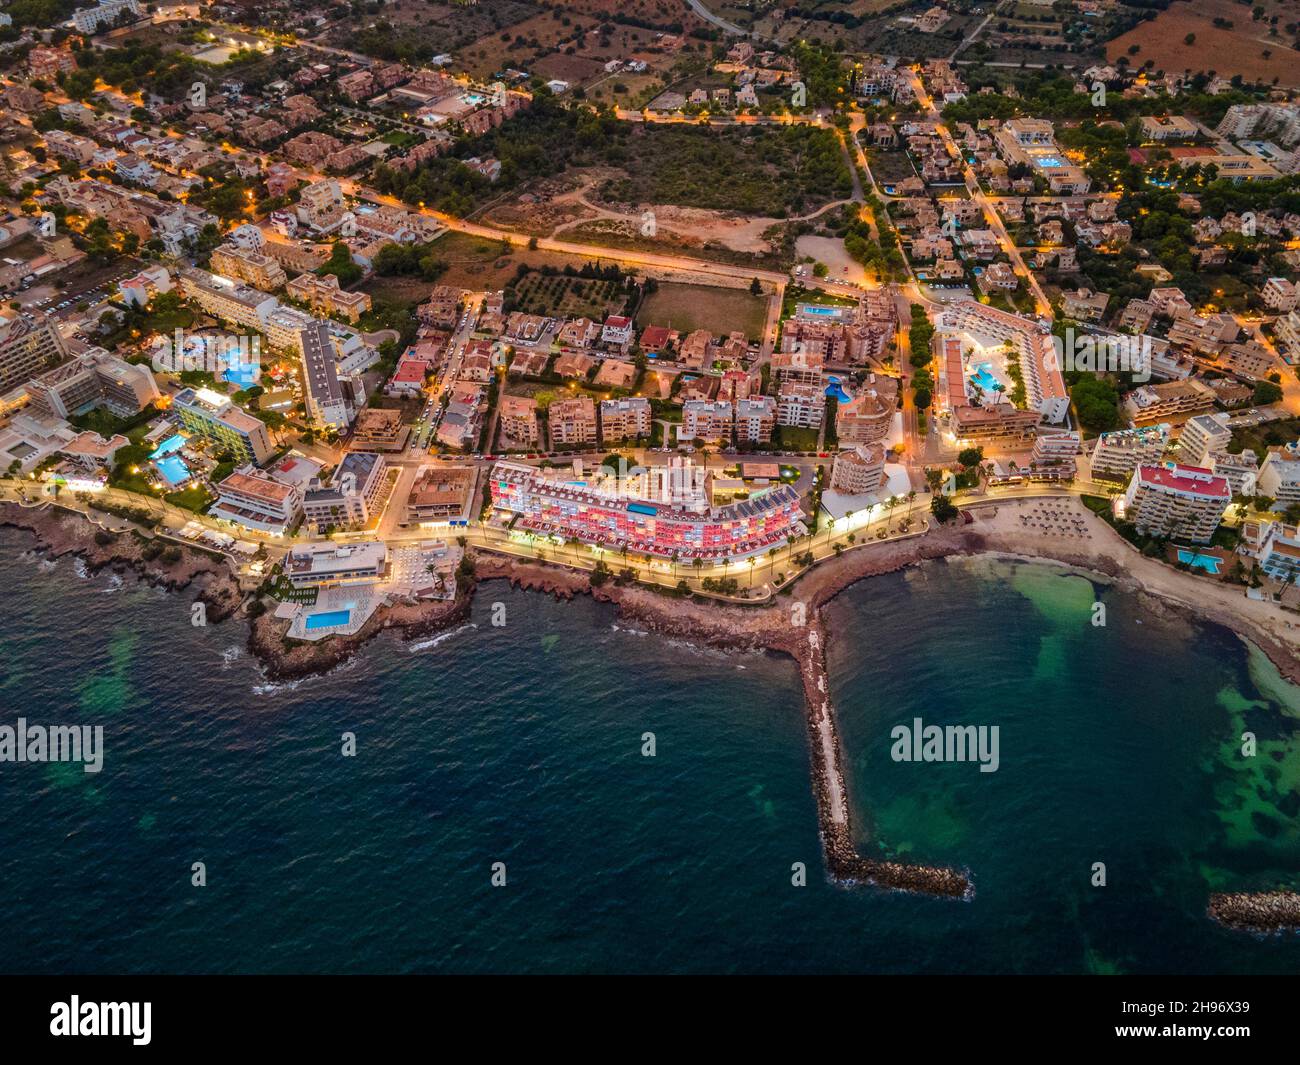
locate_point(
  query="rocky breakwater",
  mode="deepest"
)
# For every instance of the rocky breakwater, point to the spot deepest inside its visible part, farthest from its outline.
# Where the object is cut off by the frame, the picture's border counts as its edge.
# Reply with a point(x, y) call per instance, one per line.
point(846, 865)
point(1266, 911)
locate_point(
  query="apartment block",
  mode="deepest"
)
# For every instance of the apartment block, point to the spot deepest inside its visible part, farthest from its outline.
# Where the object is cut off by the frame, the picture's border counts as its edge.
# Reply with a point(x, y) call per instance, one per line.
point(1119, 453)
point(706, 420)
point(28, 346)
point(1182, 502)
point(572, 421)
point(801, 405)
point(859, 470)
point(624, 419)
point(755, 419)
point(251, 267)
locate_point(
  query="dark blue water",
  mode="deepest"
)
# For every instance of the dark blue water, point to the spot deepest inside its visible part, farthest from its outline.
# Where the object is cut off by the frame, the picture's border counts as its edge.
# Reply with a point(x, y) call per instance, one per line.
point(522, 745)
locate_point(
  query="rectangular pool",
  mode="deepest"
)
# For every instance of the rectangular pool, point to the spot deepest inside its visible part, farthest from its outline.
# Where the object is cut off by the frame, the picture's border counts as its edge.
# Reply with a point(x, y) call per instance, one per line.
point(328, 619)
point(173, 469)
point(1196, 560)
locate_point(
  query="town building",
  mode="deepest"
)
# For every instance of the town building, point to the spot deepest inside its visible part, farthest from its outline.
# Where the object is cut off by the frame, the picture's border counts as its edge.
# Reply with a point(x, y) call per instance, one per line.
point(251, 498)
point(28, 345)
point(706, 420)
point(859, 470)
point(1182, 502)
point(624, 419)
point(214, 417)
point(351, 497)
point(572, 421)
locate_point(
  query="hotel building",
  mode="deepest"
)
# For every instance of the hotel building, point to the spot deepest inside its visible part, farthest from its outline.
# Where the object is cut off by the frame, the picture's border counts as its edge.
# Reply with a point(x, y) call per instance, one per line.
point(326, 404)
point(250, 498)
point(214, 417)
point(1183, 502)
point(328, 565)
point(27, 347)
point(1119, 453)
point(226, 299)
point(615, 512)
point(989, 329)
point(95, 379)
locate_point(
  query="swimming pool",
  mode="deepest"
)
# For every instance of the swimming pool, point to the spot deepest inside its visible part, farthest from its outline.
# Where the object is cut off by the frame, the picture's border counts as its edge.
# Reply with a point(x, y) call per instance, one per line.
point(328, 619)
point(836, 390)
point(169, 446)
point(821, 312)
point(1209, 563)
point(983, 377)
point(173, 469)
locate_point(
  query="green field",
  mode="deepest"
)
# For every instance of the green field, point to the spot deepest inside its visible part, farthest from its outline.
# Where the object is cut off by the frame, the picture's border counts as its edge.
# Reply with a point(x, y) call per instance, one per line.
point(719, 310)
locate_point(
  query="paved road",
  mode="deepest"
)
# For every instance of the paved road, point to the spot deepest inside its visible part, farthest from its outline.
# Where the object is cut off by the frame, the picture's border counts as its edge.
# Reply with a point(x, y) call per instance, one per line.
point(721, 23)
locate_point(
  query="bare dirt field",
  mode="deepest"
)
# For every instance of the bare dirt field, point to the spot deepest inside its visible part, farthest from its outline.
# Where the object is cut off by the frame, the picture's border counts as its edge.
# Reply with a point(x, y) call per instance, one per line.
point(1227, 52)
point(720, 310)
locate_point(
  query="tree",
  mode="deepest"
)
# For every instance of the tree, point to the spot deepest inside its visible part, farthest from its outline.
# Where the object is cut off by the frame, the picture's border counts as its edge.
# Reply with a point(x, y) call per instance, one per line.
point(942, 508)
point(755, 289)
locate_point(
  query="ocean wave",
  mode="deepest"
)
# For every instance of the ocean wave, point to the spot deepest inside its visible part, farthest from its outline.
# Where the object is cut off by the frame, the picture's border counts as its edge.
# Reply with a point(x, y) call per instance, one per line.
point(80, 568)
point(230, 656)
point(424, 645)
point(115, 582)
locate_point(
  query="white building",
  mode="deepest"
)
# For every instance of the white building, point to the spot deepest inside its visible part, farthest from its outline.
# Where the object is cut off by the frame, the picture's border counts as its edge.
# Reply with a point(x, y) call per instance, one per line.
point(1279, 476)
point(1201, 437)
point(90, 19)
point(1183, 502)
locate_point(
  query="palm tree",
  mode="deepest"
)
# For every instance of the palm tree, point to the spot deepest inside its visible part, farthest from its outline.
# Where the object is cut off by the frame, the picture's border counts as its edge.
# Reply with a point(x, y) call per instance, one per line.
point(698, 564)
point(890, 504)
point(676, 556)
point(752, 560)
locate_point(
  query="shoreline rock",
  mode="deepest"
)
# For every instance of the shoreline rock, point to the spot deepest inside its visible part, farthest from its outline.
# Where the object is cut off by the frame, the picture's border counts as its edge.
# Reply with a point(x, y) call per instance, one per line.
point(1265, 911)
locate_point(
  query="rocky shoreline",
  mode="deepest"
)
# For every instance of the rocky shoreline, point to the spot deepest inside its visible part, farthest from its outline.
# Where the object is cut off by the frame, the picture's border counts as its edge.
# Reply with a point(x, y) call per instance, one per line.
point(778, 626)
point(61, 533)
point(1265, 911)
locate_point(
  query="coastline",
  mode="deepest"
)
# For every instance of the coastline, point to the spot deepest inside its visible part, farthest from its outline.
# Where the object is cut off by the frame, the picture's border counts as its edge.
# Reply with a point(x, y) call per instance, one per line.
point(791, 624)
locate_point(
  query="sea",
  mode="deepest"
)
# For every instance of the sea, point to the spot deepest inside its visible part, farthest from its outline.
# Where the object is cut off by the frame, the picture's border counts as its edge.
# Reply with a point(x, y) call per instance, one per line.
point(562, 793)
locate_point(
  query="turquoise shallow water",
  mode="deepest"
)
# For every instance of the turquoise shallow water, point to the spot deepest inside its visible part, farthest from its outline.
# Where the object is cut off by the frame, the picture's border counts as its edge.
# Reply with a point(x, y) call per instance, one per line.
point(523, 745)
